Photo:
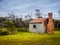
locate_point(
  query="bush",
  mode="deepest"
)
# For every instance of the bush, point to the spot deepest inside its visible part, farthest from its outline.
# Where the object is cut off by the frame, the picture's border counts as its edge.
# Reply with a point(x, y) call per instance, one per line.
point(57, 29)
point(5, 33)
point(22, 29)
point(12, 30)
point(0, 32)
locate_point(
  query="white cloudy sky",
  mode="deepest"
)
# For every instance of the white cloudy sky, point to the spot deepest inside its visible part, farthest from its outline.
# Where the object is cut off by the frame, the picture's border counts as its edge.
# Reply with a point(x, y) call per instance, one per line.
point(19, 7)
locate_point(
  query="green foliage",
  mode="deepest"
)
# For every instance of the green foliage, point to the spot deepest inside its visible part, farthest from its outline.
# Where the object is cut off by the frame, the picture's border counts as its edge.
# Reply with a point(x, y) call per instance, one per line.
point(22, 29)
point(57, 29)
point(9, 23)
point(8, 31)
point(0, 31)
point(26, 23)
point(3, 31)
point(11, 27)
point(57, 20)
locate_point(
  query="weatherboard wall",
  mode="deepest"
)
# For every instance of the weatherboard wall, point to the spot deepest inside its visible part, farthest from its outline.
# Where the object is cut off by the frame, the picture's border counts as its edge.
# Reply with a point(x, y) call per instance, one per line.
point(40, 28)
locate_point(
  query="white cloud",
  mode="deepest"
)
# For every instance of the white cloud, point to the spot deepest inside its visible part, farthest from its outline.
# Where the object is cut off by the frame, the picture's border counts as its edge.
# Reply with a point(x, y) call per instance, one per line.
point(27, 6)
point(18, 7)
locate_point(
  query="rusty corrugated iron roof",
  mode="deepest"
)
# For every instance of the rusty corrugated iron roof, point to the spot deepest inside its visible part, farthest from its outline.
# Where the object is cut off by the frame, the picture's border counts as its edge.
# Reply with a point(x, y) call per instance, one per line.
point(39, 20)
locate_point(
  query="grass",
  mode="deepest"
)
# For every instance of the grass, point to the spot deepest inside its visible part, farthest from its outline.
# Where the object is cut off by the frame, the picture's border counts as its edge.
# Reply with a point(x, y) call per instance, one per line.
point(57, 29)
point(27, 38)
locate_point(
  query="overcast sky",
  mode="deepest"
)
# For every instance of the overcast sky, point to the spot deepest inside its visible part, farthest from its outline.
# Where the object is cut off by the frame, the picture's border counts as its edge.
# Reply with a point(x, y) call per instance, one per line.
point(28, 6)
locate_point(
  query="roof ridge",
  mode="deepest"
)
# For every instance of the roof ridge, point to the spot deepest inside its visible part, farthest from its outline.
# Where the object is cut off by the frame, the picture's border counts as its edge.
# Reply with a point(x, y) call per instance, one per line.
point(38, 20)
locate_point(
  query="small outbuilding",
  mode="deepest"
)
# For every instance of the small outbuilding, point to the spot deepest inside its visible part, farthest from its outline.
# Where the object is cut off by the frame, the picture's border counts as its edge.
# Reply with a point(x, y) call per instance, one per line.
point(42, 25)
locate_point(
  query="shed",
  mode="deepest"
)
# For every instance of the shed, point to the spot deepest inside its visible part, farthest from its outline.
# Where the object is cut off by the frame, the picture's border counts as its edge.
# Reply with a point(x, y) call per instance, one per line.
point(42, 25)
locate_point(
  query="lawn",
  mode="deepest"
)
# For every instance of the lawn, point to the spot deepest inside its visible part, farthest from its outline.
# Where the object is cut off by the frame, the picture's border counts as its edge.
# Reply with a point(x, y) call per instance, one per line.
point(27, 38)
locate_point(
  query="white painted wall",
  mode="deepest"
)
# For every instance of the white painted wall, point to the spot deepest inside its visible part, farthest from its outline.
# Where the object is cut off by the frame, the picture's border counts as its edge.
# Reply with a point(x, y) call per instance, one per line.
point(40, 28)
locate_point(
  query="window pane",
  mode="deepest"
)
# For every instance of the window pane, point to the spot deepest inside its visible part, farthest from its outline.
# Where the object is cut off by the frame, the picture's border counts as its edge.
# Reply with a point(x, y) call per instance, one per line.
point(34, 26)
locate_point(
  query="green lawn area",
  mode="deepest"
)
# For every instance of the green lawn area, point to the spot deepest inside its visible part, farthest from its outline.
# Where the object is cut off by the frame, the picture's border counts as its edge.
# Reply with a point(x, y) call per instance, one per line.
point(27, 38)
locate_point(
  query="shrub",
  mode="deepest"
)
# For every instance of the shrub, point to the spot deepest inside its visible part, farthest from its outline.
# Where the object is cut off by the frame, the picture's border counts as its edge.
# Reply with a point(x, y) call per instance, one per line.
point(11, 27)
point(57, 29)
point(22, 29)
point(12, 30)
point(0, 31)
point(5, 33)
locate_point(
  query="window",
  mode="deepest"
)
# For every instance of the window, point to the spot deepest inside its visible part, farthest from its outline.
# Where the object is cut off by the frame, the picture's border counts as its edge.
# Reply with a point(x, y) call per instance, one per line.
point(34, 26)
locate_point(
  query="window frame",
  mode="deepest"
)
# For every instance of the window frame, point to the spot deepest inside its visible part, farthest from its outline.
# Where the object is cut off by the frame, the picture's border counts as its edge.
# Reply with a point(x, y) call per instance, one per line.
point(34, 26)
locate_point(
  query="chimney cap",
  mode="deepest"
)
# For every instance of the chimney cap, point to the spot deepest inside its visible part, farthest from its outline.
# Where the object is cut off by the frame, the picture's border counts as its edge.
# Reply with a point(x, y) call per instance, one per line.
point(49, 14)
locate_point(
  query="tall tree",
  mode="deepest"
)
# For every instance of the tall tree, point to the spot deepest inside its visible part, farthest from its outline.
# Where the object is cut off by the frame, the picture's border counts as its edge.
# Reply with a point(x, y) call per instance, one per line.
point(10, 25)
point(37, 13)
point(59, 13)
point(11, 15)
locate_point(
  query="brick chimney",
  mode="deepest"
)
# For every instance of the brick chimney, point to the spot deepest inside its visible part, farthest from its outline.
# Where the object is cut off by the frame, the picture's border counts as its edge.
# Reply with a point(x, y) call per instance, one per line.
point(50, 16)
point(50, 25)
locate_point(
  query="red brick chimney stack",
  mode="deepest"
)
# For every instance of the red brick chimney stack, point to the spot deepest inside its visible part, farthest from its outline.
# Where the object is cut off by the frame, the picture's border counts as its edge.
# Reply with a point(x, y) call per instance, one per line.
point(50, 25)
